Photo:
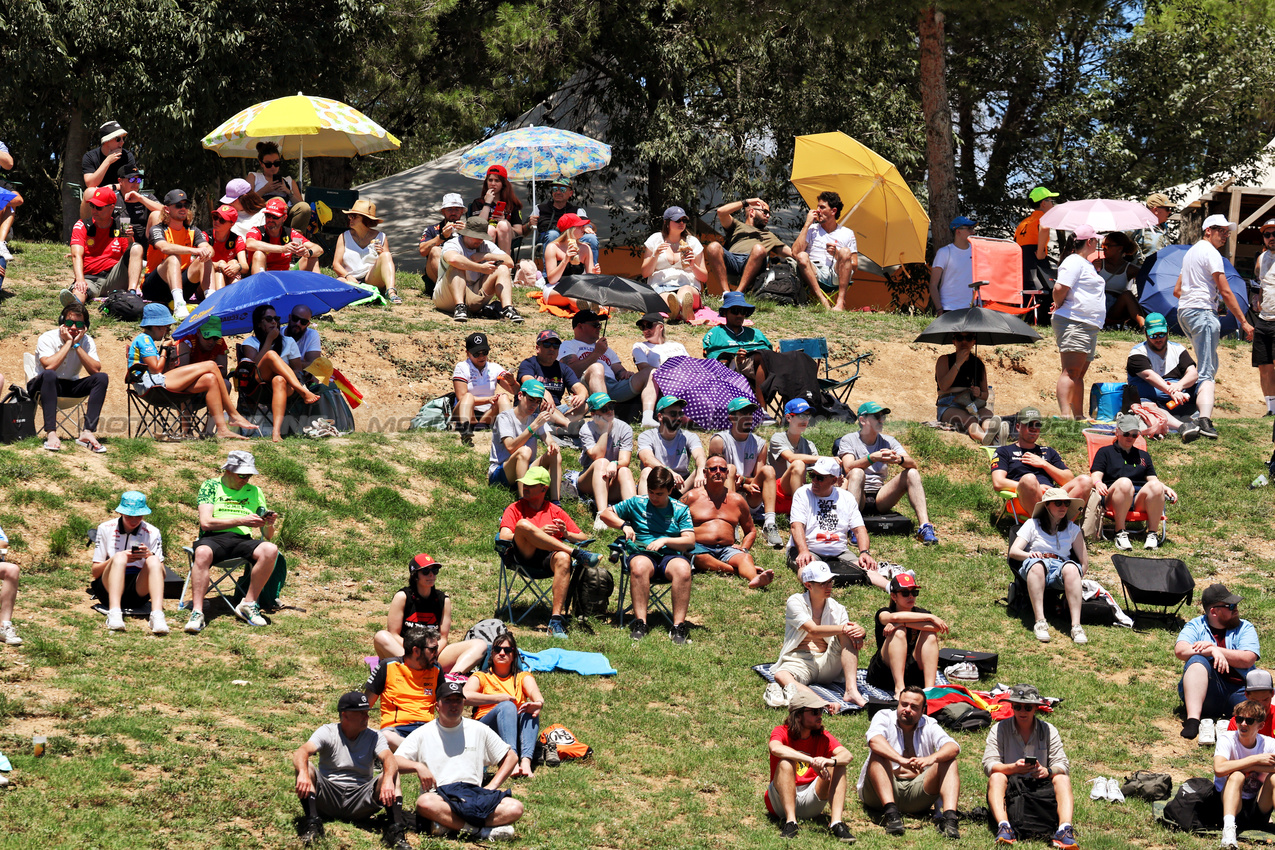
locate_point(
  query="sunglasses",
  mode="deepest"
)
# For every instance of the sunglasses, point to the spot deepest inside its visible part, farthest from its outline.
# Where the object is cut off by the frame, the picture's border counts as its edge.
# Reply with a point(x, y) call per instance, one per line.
point(300, 321)
point(678, 220)
point(275, 217)
point(553, 343)
point(1156, 336)
point(645, 326)
point(736, 311)
point(275, 164)
point(481, 352)
point(71, 323)
point(1035, 426)
point(963, 337)
point(717, 470)
point(433, 647)
point(432, 571)
point(1270, 235)
point(502, 650)
point(592, 324)
point(1020, 707)
point(913, 592)
point(1130, 433)
point(1227, 607)
point(270, 319)
point(815, 476)
point(181, 205)
point(1248, 721)
point(610, 408)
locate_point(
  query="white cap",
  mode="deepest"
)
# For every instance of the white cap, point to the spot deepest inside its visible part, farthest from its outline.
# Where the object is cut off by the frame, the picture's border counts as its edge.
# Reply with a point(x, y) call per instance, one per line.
point(451, 199)
point(816, 571)
point(1219, 221)
point(827, 466)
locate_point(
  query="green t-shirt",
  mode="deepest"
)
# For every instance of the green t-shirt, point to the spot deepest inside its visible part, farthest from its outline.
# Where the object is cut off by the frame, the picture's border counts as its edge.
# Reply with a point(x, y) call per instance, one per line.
point(231, 503)
point(721, 339)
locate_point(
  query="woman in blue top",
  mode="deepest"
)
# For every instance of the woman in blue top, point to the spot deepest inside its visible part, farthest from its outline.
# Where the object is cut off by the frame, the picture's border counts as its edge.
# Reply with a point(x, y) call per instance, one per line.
point(148, 369)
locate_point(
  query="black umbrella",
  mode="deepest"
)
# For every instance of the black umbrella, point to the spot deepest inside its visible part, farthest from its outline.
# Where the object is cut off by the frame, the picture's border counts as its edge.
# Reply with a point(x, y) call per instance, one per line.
point(989, 327)
point(611, 291)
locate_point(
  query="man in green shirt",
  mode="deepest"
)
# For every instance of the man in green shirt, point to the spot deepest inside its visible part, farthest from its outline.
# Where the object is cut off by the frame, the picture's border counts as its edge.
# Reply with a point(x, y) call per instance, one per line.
point(725, 342)
point(747, 246)
point(230, 507)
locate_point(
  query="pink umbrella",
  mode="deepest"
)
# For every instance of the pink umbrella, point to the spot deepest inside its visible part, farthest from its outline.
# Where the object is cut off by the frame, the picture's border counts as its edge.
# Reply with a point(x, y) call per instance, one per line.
point(1102, 215)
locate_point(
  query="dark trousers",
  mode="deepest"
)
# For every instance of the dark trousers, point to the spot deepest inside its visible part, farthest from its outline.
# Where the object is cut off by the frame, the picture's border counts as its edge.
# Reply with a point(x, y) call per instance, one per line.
point(49, 387)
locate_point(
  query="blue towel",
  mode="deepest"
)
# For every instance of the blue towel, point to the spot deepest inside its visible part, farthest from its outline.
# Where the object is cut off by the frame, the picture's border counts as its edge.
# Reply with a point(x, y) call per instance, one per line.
point(567, 660)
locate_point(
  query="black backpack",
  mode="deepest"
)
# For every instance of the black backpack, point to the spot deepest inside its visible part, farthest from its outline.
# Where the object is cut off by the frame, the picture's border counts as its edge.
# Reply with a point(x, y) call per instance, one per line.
point(1031, 807)
point(782, 284)
point(590, 590)
point(124, 305)
point(963, 717)
point(1196, 808)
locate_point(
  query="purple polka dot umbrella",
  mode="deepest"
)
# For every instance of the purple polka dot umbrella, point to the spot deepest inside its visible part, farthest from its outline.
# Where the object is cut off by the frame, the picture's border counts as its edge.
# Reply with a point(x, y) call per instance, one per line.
point(707, 387)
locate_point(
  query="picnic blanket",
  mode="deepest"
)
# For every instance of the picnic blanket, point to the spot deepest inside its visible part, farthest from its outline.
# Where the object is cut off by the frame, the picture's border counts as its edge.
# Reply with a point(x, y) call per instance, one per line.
point(836, 691)
point(552, 660)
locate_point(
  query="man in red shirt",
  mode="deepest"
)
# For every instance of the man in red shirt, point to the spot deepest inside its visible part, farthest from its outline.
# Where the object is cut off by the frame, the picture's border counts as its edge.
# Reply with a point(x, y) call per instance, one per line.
point(807, 769)
point(273, 246)
point(1259, 688)
point(542, 534)
point(103, 257)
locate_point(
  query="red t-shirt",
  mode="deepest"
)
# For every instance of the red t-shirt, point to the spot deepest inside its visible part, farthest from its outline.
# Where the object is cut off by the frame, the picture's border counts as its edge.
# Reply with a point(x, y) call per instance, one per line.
point(222, 254)
point(102, 250)
point(547, 514)
point(816, 746)
point(1267, 728)
point(274, 262)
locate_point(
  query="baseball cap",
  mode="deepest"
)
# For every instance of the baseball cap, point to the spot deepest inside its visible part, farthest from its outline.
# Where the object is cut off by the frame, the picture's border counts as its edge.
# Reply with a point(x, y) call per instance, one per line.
point(354, 701)
point(226, 212)
point(156, 315)
point(1128, 422)
point(1156, 324)
point(103, 197)
point(128, 172)
point(1083, 233)
point(796, 407)
point(668, 401)
point(963, 221)
point(111, 130)
point(816, 571)
point(1158, 199)
point(738, 404)
point(452, 200)
point(674, 214)
point(498, 169)
point(1217, 594)
point(175, 196)
point(804, 699)
point(656, 318)
point(450, 688)
point(1040, 193)
point(1219, 221)
point(1269, 224)
point(533, 388)
point(1258, 680)
point(276, 207)
point(420, 562)
point(584, 316)
point(571, 220)
point(902, 581)
point(535, 475)
point(872, 408)
point(477, 341)
point(546, 335)
point(133, 503)
point(240, 462)
point(1029, 414)
point(597, 401)
point(560, 183)
point(235, 190)
point(827, 466)
point(211, 328)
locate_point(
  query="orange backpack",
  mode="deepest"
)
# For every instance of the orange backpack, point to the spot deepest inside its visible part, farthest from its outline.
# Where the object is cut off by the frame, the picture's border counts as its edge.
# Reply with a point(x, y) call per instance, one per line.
point(569, 747)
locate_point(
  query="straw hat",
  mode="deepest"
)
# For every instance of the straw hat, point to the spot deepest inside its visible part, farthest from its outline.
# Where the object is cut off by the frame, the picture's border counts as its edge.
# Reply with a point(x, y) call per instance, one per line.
point(1057, 494)
point(367, 209)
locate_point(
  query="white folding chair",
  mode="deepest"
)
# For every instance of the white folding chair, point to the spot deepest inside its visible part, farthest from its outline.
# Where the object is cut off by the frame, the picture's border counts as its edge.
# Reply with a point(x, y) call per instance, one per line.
point(70, 416)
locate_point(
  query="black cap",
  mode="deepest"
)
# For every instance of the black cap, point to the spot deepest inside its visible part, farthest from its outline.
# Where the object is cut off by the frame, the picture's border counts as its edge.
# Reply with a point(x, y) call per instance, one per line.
point(126, 171)
point(450, 688)
point(584, 316)
point(354, 701)
point(476, 341)
point(175, 196)
point(1217, 594)
point(657, 318)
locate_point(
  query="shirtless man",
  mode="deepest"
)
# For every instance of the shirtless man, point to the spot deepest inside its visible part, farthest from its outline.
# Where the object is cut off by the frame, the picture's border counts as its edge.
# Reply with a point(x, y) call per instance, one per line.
point(716, 513)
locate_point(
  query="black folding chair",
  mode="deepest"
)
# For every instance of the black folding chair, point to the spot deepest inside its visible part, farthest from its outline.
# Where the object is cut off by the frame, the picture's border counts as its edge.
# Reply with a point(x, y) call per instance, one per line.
point(622, 552)
point(517, 580)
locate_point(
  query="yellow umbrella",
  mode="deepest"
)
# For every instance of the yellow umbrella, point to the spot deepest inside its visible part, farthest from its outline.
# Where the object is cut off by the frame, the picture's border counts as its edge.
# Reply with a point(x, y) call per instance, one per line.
point(889, 223)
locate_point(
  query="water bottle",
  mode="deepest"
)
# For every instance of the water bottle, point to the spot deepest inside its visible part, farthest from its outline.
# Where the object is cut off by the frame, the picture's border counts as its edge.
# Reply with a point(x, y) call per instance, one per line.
point(1259, 481)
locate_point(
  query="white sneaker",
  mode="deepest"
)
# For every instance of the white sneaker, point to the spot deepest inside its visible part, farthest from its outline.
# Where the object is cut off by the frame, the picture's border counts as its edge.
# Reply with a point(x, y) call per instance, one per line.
point(5, 252)
point(181, 312)
point(1208, 735)
point(159, 625)
point(497, 833)
point(1152, 542)
point(1042, 631)
point(598, 524)
point(649, 420)
point(1122, 540)
point(774, 696)
point(1078, 634)
point(1099, 790)
point(115, 620)
point(1114, 794)
point(10, 635)
point(1228, 837)
point(790, 693)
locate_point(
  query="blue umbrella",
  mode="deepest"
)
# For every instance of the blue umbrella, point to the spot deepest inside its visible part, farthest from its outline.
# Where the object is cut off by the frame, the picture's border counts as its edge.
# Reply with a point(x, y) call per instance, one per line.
point(284, 290)
point(1160, 274)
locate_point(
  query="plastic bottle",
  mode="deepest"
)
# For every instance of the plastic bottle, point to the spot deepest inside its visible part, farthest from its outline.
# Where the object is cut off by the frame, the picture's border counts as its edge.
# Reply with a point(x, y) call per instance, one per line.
point(1259, 481)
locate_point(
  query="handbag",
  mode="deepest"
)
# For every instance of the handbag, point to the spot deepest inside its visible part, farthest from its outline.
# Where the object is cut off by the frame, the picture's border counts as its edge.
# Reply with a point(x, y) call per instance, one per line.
point(17, 416)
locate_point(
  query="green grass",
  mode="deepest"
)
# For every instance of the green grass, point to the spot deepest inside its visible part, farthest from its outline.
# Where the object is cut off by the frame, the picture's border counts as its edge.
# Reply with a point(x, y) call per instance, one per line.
point(152, 744)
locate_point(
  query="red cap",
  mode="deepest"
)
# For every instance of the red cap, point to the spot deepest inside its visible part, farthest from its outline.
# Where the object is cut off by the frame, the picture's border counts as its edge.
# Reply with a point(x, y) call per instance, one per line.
point(103, 197)
point(421, 561)
point(498, 169)
point(226, 213)
point(902, 581)
point(276, 207)
point(571, 220)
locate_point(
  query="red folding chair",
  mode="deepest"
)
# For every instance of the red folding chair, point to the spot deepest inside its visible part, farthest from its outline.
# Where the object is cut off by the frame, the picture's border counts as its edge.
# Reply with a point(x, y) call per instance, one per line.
point(998, 276)
point(1095, 440)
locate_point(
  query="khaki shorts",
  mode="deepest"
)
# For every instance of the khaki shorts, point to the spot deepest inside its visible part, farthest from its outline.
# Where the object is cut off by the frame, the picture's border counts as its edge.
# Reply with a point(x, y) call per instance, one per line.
point(807, 668)
point(1075, 336)
point(909, 795)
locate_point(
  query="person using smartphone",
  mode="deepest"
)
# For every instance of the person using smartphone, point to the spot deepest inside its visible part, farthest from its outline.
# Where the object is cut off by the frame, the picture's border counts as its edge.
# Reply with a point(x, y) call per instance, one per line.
point(434, 236)
point(501, 207)
point(128, 564)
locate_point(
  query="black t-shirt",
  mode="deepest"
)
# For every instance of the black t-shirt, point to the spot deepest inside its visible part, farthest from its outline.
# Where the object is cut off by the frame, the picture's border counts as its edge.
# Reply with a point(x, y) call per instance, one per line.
point(1010, 459)
point(913, 634)
point(971, 372)
point(549, 215)
point(94, 158)
point(1136, 465)
point(418, 613)
point(512, 216)
point(137, 213)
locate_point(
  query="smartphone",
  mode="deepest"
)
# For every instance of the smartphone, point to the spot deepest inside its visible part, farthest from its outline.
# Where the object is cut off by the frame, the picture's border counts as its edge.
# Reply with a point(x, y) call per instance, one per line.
point(499, 210)
point(136, 549)
point(1031, 760)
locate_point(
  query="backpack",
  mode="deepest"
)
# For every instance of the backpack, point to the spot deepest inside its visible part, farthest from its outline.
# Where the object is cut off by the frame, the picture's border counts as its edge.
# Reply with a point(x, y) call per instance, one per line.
point(1196, 808)
point(1031, 807)
point(1148, 785)
point(434, 414)
point(782, 284)
point(486, 630)
point(590, 590)
point(569, 746)
point(963, 717)
point(124, 305)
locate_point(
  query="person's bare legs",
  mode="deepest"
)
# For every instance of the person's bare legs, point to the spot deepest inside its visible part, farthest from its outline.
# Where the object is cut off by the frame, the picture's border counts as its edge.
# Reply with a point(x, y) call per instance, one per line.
point(850, 672)
point(997, 784)
point(205, 379)
point(752, 267)
point(1071, 383)
point(8, 589)
point(785, 784)
point(1036, 591)
point(926, 654)
point(794, 476)
point(1071, 587)
point(263, 560)
point(1029, 491)
point(1150, 501)
point(462, 656)
point(640, 571)
point(1062, 791)
point(906, 482)
point(741, 565)
point(597, 480)
point(894, 649)
point(807, 271)
point(844, 272)
point(382, 274)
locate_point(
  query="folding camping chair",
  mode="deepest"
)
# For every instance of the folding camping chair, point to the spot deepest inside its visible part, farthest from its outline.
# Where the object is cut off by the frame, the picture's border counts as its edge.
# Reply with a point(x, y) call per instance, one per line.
point(1095, 440)
point(622, 552)
point(998, 276)
point(70, 415)
point(817, 349)
point(516, 580)
point(165, 415)
point(254, 401)
point(223, 578)
point(1155, 583)
point(1011, 507)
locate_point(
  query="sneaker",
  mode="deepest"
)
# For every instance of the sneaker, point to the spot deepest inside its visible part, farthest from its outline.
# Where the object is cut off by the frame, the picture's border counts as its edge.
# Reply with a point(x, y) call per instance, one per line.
point(788, 830)
point(1122, 541)
point(437, 829)
point(893, 822)
point(598, 524)
point(841, 832)
point(1207, 428)
point(680, 633)
point(1152, 541)
point(1065, 838)
point(583, 556)
point(927, 535)
point(551, 757)
point(195, 624)
point(251, 612)
point(10, 635)
point(1099, 789)
point(772, 536)
point(1078, 634)
point(1114, 794)
point(181, 312)
point(649, 420)
point(1189, 432)
point(115, 620)
point(557, 628)
point(790, 693)
point(159, 625)
point(950, 826)
point(311, 830)
point(992, 435)
point(638, 630)
point(1002, 439)
point(774, 696)
point(395, 839)
point(460, 314)
point(5, 252)
point(497, 833)
point(1005, 834)
point(1228, 837)
point(66, 298)
point(1208, 733)
point(1041, 629)
point(511, 313)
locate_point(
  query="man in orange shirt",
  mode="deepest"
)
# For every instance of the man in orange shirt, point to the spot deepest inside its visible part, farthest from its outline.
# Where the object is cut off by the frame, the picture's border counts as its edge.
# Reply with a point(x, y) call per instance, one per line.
point(1034, 240)
point(407, 686)
point(177, 257)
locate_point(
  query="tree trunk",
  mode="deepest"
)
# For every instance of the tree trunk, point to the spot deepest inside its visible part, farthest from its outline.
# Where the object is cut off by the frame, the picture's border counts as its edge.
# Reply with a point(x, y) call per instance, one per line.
point(77, 142)
point(330, 172)
point(939, 156)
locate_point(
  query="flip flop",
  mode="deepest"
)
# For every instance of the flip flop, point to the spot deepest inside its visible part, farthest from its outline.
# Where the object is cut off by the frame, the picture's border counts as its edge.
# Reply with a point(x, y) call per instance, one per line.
point(52, 448)
point(95, 448)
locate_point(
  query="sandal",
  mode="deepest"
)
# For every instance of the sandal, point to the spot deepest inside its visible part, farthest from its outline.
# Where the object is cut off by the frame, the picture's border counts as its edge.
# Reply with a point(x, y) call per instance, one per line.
point(393, 296)
point(92, 445)
point(51, 446)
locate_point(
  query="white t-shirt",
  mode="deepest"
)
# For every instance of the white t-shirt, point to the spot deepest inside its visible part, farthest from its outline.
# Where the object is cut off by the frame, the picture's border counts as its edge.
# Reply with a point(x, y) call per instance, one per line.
point(655, 355)
point(1086, 300)
point(927, 739)
point(818, 240)
point(247, 222)
point(1266, 278)
point(110, 541)
point(456, 245)
point(1199, 290)
point(675, 454)
point(308, 341)
point(576, 348)
point(876, 473)
point(50, 342)
point(742, 455)
point(798, 611)
point(482, 382)
point(1229, 747)
point(290, 350)
point(1036, 540)
point(827, 520)
point(676, 274)
point(958, 274)
point(458, 754)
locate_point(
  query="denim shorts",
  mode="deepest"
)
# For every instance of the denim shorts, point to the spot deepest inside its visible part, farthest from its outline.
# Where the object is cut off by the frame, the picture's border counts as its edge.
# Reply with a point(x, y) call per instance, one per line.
point(734, 262)
point(1205, 330)
point(827, 278)
point(1053, 570)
